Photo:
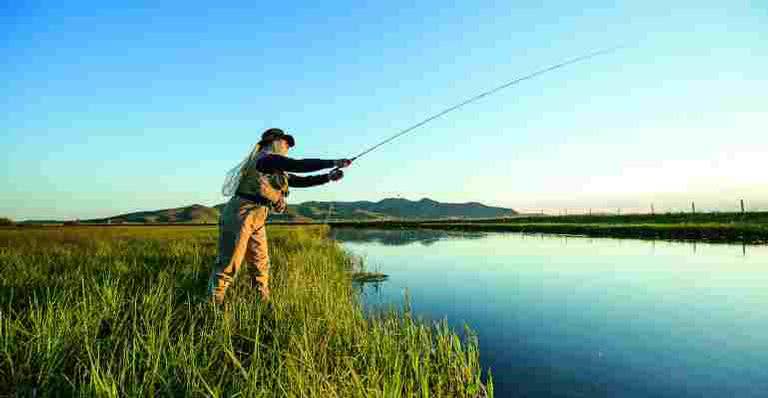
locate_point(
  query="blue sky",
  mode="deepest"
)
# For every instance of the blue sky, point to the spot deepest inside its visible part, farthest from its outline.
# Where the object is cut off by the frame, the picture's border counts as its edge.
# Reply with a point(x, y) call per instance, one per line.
point(111, 109)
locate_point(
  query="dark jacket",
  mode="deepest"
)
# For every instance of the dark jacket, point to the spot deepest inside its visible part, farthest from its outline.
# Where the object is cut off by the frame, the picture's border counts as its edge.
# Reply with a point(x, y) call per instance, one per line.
point(271, 164)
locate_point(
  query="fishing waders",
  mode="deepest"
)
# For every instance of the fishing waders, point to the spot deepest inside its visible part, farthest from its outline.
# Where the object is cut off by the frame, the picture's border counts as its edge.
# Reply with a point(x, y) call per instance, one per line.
point(242, 237)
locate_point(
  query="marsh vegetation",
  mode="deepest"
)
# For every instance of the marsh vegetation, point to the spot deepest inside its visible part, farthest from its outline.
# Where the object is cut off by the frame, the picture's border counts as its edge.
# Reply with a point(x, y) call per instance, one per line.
point(122, 311)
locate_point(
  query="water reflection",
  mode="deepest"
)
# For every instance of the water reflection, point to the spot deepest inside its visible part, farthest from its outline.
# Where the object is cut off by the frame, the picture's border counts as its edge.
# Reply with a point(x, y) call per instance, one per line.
point(368, 288)
point(399, 237)
point(428, 237)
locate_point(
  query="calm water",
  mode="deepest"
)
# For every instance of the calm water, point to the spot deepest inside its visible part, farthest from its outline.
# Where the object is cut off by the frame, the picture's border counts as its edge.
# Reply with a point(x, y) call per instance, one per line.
point(583, 317)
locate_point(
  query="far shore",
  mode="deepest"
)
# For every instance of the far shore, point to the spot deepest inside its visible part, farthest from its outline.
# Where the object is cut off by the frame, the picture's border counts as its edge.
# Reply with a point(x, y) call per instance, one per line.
point(749, 228)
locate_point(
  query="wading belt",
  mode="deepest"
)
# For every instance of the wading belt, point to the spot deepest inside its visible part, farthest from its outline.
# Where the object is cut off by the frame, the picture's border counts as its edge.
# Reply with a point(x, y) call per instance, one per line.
point(254, 198)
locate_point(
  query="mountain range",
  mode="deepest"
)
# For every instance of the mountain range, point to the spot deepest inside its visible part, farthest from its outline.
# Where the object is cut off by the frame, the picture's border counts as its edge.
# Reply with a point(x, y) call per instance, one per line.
point(386, 209)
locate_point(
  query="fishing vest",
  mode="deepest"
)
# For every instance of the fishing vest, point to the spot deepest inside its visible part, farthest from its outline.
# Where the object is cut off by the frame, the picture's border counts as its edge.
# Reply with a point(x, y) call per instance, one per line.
point(269, 186)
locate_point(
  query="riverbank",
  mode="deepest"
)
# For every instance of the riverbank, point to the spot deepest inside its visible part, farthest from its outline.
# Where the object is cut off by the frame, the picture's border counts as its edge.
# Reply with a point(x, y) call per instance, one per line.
point(749, 228)
point(123, 312)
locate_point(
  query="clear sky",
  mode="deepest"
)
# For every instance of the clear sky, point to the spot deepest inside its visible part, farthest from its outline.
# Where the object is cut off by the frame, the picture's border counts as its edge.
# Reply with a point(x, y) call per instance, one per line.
point(109, 109)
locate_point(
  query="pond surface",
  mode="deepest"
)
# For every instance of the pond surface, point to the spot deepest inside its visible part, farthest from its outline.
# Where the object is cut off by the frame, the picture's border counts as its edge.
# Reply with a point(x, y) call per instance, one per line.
point(584, 317)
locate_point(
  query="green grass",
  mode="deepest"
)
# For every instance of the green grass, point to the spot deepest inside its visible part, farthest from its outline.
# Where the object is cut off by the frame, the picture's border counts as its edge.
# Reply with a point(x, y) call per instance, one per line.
point(662, 218)
point(121, 311)
point(368, 277)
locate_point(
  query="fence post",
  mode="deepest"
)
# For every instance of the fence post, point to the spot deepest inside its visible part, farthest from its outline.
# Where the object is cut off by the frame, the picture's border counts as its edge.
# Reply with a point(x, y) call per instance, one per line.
point(742, 206)
point(653, 211)
point(693, 207)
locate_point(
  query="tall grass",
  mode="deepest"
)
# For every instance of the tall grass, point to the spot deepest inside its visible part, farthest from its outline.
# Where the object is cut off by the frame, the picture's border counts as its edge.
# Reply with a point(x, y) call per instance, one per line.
point(122, 312)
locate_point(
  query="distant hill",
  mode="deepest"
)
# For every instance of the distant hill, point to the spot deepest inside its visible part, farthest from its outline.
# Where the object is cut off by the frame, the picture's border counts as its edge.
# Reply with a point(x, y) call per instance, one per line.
point(195, 214)
point(390, 208)
point(401, 209)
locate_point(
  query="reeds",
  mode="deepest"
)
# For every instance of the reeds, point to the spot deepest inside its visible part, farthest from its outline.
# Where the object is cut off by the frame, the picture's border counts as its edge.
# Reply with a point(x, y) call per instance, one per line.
point(122, 311)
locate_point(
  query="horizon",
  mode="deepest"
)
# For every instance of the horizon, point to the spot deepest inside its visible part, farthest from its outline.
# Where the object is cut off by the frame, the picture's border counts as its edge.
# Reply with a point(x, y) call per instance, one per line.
point(566, 211)
point(111, 110)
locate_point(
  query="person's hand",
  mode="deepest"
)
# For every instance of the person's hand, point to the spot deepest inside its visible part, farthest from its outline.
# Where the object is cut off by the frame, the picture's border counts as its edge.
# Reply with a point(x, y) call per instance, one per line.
point(335, 175)
point(341, 163)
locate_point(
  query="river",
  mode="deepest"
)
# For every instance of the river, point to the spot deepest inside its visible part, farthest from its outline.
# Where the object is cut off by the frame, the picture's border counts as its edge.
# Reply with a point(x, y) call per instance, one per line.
point(585, 317)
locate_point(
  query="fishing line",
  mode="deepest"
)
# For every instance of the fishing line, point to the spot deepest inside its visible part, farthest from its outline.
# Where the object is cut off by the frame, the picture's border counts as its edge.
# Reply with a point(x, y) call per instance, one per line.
point(487, 93)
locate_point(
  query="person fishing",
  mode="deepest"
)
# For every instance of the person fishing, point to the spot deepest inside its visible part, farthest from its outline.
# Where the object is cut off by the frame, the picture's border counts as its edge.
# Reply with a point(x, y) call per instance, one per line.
point(260, 183)
point(257, 185)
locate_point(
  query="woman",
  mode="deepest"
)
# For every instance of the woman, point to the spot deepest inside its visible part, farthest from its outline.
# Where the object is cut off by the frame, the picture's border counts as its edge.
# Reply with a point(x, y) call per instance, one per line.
point(260, 183)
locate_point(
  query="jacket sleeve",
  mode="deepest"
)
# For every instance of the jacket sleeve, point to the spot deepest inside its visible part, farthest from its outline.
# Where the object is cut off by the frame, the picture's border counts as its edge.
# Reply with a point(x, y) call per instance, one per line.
point(273, 163)
point(308, 181)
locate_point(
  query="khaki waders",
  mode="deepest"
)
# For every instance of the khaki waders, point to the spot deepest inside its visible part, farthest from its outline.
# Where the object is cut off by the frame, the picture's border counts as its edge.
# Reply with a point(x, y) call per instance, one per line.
point(242, 237)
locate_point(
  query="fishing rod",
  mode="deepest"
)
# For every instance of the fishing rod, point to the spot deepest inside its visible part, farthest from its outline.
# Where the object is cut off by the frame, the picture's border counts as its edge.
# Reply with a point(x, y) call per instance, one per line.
point(487, 93)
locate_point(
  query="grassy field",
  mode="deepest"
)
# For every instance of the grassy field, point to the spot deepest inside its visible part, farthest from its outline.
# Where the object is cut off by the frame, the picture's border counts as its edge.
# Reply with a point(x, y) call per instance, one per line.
point(121, 311)
point(749, 228)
